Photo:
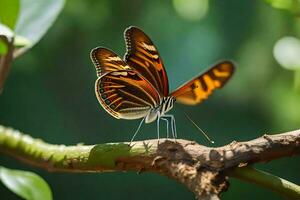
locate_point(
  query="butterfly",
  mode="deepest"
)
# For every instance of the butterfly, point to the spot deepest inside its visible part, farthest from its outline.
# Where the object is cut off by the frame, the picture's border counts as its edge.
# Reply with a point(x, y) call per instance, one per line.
point(137, 86)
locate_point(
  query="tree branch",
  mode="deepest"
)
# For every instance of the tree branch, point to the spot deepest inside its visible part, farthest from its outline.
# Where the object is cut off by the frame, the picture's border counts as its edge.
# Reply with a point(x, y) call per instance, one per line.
point(202, 169)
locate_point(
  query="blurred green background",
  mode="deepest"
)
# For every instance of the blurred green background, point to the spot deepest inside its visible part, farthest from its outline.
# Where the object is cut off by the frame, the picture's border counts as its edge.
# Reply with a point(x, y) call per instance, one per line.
point(49, 93)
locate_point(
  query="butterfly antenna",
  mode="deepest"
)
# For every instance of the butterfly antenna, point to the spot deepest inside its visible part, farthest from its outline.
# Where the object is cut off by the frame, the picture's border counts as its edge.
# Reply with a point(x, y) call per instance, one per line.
point(206, 136)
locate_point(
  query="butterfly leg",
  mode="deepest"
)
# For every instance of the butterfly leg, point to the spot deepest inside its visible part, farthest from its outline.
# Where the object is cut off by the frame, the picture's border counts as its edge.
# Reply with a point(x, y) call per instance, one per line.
point(173, 125)
point(137, 130)
point(157, 123)
point(165, 119)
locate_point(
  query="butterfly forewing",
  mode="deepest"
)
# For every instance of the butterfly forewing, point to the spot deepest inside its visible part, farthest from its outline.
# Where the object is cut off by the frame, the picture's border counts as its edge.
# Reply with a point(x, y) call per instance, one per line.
point(199, 88)
point(143, 56)
point(126, 94)
point(106, 60)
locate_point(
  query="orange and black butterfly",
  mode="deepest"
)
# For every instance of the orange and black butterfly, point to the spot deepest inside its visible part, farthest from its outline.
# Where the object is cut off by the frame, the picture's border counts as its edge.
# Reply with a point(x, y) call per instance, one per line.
point(137, 86)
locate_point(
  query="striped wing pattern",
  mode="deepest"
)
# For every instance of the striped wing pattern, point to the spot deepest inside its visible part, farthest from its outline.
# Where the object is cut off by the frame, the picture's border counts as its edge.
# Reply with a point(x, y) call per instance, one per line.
point(143, 56)
point(106, 60)
point(202, 86)
point(130, 89)
point(126, 94)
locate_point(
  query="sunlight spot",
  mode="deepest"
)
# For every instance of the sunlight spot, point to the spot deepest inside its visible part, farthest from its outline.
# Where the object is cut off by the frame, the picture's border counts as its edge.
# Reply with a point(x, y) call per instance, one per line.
point(287, 52)
point(192, 10)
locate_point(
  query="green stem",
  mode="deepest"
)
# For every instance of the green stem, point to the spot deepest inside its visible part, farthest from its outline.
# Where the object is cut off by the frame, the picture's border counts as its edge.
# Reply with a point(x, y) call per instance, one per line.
point(297, 80)
point(5, 60)
point(261, 178)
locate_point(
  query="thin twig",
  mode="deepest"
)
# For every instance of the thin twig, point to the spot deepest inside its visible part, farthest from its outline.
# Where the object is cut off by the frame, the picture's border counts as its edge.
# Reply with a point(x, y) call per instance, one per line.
point(261, 178)
point(5, 60)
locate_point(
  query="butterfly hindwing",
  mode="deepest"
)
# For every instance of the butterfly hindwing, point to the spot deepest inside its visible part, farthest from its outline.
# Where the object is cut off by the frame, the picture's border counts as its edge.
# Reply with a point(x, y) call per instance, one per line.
point(106, 60)
point(143, 56)
point(126, 94)
point(202, 86)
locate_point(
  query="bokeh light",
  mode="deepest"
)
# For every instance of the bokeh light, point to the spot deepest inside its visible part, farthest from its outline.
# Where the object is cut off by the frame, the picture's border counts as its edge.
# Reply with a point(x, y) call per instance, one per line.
point(287, 52)
point(290, 5)
point(192, 10)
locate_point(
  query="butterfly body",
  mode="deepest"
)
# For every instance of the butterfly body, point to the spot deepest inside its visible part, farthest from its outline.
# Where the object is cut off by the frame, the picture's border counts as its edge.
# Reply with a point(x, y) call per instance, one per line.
point(160, 111)
point(137, 87)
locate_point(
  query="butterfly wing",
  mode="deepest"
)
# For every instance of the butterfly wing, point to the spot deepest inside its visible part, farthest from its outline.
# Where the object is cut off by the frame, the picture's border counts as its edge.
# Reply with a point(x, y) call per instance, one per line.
point(199, 88)
point(106, 60)
point(143, 56)
point(126, 94)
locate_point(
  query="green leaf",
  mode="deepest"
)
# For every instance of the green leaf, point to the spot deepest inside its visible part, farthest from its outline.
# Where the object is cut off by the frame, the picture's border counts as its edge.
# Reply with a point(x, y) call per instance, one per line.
point(6, 31)
point(26, 184)
point(36, 17)
point(21, 41)
point(9, 10)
